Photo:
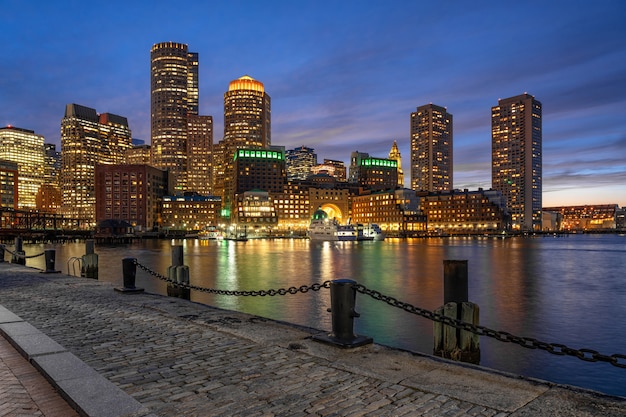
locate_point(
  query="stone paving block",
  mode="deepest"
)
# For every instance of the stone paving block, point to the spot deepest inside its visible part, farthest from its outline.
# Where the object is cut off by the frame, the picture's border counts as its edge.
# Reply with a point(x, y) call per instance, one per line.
point(35, 344)
point(7, 316)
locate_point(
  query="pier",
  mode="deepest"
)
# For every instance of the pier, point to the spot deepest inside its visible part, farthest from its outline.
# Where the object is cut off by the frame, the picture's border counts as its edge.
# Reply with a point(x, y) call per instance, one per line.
point(114, 354)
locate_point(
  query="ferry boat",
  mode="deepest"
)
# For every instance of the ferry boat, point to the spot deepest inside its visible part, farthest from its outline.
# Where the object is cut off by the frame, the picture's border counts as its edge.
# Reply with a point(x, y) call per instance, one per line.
point(374, 231)
point(211, 233)
point(322, 228)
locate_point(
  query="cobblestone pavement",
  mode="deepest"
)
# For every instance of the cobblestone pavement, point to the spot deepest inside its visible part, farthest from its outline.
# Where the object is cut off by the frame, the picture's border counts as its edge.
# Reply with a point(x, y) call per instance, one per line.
point(181, 358)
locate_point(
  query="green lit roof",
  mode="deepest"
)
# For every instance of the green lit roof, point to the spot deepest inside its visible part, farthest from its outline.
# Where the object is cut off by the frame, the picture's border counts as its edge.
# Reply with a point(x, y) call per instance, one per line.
point(390, 163)
point(258, 153)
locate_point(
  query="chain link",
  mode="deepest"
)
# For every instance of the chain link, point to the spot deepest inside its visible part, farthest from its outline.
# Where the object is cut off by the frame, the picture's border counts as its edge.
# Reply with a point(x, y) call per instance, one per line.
point(19, 255)
point(254, 293)
point(587, 355)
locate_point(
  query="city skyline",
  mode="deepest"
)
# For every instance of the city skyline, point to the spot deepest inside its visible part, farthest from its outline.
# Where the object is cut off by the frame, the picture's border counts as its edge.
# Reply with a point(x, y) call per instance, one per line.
point(346, 77)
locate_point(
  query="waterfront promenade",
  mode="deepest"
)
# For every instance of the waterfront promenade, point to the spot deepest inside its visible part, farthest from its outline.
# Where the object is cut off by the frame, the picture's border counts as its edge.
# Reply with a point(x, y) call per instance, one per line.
point(141, 355)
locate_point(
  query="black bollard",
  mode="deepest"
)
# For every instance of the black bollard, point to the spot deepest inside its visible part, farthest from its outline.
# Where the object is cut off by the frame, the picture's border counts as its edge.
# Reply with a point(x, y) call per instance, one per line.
point(1, 253)
point(50, 255)
point(129, 270)
point(19, 254)
point(342, 301)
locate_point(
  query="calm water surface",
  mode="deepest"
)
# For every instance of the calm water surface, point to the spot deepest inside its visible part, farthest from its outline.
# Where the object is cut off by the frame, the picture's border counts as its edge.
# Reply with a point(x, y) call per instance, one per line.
point(569, 290)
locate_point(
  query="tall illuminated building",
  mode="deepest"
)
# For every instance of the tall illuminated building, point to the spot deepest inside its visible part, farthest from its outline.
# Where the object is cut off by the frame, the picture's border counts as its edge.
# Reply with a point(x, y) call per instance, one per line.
point(174, 96)
point(516, 161)
point(88, 139)
point(431, 149)
point(26, 149)
point(199, 157)
point(247, 125)
point(394, 154)
point(299, 162)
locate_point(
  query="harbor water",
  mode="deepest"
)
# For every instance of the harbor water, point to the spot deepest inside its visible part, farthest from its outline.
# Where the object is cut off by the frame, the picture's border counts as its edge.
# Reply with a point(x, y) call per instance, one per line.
point(568, 290)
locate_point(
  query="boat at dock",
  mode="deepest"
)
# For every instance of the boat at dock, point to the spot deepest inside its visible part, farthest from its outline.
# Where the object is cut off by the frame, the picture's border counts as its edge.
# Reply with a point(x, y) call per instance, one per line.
point(323, 228)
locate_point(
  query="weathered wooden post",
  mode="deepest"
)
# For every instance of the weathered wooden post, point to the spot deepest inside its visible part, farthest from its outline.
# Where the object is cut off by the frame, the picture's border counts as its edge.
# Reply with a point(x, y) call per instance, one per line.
point(450, 342)
point(179, 273)
point(342, 302)
point(19, 255)
point(89, 265)
point(129, 271)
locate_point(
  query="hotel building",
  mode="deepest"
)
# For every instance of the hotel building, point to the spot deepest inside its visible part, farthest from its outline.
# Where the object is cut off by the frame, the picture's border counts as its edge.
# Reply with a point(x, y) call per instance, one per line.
point(26, 149)
point(174, 89)
point(464, 212)
point(247, 125)
point(431, 149)
point(131, 193)
point(395, 211)
point(516, 158)
point(88, 139)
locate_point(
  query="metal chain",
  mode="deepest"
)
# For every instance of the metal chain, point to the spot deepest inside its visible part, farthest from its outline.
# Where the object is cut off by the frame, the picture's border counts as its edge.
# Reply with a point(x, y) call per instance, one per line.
point(261, 293)
point(587, 355)
point(19, 255)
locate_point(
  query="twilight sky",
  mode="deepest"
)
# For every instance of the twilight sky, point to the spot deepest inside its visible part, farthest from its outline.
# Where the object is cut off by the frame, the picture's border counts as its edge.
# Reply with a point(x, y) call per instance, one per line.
point(345, 75)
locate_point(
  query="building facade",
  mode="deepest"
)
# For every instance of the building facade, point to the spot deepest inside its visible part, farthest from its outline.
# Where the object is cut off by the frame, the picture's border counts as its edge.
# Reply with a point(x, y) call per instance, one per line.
point(259, 169)
point(88, 139)
point(300, 162)
point(131, 193)
point(174, 89)
point(431, 149)
point(9, 190)
point(199, 147)
point(247, 125)
point(336, 169)
point(465, 212)
point(586, 217)
point(26, 149)
point(376, 173)
point(190, 212)
point(395, 211)
point(516, 158)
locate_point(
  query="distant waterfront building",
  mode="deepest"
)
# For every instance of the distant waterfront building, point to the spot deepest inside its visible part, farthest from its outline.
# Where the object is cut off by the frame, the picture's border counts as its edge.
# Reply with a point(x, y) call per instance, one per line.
point(373, 173)
point(174, 88)
point(259, 169)
point(395, 211)
point(130, 193)
point(336, 202)
point(292, 207)
point(191, 211)
point(26, 149)
point(256, 209)
point(516, 158)
point(88, 139)
point(8, 187)
point(431, 149)
point(200, 161)
point(300, 162)
point(394, 154)
point(586, 217)
point(336, 169)
point(247, 125)
point(464, 212)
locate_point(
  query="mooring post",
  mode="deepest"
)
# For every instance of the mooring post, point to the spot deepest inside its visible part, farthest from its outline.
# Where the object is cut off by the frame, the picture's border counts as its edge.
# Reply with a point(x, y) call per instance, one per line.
point(89, 266)
point(179, 273)
point(50, 255)
point(129, 271)
point(450, 342)
point(1, 253)
point(18, 256)
point(343, 301)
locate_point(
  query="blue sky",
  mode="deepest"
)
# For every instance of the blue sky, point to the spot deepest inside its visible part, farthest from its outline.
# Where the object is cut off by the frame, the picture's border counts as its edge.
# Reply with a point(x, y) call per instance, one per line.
point(346, 75)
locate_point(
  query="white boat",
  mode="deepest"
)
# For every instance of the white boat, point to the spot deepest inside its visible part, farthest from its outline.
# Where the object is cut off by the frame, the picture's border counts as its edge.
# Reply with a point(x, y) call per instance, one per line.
point(374, 231)
point(322, 228)
point(211, 233)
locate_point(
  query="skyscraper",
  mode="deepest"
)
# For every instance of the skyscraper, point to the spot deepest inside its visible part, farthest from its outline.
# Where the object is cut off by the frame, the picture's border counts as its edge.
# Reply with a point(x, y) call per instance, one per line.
point(199, 157)
point(174, 96)
point(516, 158)
point(88, 139)
point(431, 149)
point(247, 125)
point(299, 162)
point(26, 149)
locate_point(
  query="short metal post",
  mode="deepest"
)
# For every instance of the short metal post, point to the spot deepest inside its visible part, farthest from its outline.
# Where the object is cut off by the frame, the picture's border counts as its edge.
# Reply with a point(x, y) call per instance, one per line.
point(342, 301)
point(1, 253)
point(129, 270)
point(50, 255)
point(19, 255)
